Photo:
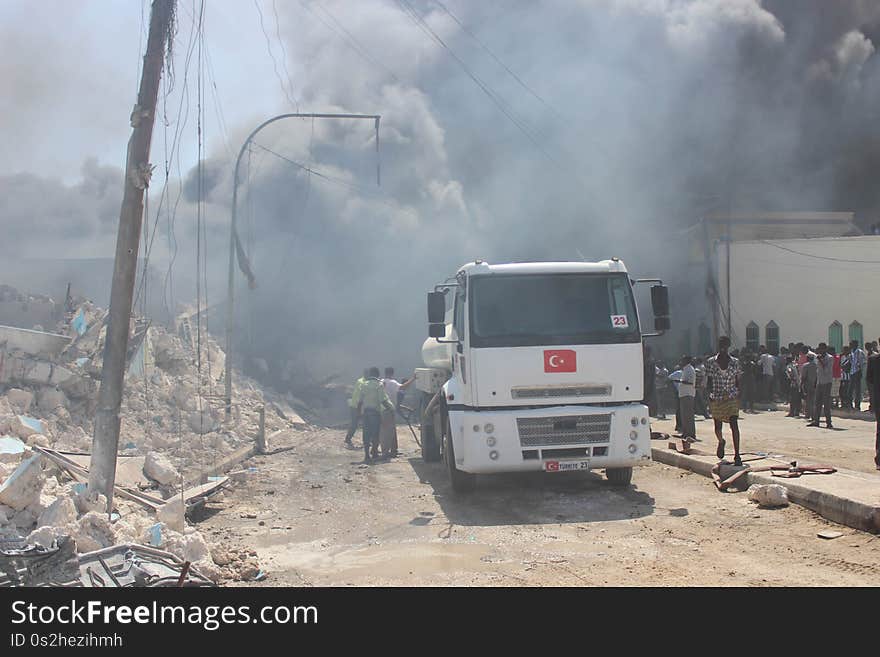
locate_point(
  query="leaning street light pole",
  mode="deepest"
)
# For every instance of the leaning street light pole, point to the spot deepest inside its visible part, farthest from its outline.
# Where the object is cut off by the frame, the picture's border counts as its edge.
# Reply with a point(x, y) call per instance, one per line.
point(235, 247)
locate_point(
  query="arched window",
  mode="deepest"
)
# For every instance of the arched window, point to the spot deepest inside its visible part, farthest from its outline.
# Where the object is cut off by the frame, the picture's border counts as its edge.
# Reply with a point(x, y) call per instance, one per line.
point(753, 336)
point(835, 336)
point(771, 337)
point(855, 332)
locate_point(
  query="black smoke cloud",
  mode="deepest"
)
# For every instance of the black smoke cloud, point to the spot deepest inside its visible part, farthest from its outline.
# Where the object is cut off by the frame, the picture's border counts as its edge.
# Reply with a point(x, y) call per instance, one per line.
point(655, 113)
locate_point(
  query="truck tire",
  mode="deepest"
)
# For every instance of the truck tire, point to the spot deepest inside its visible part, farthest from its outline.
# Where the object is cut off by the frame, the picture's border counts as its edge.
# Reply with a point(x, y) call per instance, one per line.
point(619, 476)
point(430, 444)
point(462, 482)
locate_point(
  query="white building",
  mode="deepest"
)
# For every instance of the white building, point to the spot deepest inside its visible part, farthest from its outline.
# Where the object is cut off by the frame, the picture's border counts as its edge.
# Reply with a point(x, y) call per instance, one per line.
point(821, 289)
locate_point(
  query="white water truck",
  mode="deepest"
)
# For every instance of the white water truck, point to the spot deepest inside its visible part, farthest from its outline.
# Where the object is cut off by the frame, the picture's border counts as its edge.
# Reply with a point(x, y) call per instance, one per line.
point(536, 366)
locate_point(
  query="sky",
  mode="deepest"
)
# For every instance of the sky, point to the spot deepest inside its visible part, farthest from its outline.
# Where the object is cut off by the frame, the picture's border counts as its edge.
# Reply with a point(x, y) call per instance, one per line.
point(512, 130)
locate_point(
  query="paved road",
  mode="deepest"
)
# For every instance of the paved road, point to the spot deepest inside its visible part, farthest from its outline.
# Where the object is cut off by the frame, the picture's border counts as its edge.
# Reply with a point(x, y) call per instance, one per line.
point(323, 518)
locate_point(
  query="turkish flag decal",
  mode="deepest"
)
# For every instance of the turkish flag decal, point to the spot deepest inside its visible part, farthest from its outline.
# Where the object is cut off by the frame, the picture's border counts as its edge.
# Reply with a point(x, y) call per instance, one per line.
point(560, 360)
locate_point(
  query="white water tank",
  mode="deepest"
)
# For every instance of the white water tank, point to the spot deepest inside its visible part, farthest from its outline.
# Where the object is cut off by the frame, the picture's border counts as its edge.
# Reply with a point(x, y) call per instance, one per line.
point(438, 354)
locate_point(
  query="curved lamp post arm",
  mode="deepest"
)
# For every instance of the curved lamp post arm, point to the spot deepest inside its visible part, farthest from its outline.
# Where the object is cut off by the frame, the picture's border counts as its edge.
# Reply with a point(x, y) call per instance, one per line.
point(235, 247)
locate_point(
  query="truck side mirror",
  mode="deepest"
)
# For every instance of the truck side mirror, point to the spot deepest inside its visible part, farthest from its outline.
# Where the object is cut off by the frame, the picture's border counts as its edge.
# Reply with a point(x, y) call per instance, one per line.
point(436, 309)
point(436, 330)
point(660, 300)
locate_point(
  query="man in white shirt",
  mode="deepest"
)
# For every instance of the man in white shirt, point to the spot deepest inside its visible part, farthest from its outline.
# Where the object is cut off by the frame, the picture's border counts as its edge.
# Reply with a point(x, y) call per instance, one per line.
point(767, 362)
point(858, 363)
point(388, 433)
point(686, 391)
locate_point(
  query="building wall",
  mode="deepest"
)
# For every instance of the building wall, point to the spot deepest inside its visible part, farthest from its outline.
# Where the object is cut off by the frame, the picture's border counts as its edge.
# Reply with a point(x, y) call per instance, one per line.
point(783, 281)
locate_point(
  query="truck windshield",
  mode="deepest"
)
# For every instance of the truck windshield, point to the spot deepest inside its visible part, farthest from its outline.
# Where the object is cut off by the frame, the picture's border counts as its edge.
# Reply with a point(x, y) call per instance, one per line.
point(515, 310)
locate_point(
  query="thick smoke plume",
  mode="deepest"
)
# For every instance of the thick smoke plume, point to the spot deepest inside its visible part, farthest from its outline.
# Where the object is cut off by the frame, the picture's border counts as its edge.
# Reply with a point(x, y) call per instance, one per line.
point(641, 116)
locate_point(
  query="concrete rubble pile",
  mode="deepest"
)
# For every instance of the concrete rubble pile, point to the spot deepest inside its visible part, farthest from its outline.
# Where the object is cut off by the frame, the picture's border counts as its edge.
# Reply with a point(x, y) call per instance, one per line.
point(172, 418)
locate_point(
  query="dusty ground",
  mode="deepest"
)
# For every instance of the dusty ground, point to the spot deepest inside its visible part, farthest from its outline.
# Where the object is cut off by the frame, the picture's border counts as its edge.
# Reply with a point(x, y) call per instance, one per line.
point(850, 444)
point(319, 517)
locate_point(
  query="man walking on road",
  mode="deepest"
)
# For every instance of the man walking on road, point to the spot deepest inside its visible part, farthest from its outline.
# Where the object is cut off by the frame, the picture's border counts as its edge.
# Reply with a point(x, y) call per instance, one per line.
point(873, 377)
point(355, 411)
point(824, 376)
point(723, 372)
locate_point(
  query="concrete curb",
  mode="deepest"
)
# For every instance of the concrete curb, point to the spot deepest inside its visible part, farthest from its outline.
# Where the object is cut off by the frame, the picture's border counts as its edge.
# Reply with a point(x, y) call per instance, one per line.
point(831, 506)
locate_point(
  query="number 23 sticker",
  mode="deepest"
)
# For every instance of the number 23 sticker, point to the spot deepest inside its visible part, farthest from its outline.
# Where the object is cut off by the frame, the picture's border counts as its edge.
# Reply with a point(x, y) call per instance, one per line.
point(619, 321)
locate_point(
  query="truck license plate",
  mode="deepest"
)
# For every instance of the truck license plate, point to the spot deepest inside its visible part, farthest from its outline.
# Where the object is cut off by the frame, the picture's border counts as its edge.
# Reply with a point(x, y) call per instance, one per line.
point(565, 466)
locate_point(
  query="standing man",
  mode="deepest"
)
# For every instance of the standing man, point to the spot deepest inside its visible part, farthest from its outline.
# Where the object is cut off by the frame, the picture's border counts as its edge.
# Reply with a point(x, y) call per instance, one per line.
point(374, 401)
point(858, 362)
point(353, 405)
point(824, 378)
point(793, 381)
point(723, 372)
point(388, 431)
point(845, 366)
point(808, 384)
point(766, 362)
point(686, 392)
point(873, 378)
point(662, 384)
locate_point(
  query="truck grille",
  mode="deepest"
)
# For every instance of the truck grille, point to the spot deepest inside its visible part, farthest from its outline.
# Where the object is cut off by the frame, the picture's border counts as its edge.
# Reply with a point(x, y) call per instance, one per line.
point(568, 390)
point(566, 430)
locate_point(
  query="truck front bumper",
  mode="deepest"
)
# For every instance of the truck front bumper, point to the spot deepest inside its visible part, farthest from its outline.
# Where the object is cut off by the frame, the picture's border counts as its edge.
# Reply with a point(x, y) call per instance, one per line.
point(519, 440)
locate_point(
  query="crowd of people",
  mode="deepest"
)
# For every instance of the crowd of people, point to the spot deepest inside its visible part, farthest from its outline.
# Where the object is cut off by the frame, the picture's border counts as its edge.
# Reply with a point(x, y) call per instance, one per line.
point(373, 404)
point(718, 385)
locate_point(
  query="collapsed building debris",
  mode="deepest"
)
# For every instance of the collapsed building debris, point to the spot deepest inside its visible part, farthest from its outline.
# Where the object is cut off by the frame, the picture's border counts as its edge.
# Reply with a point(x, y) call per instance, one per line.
point(174, 432)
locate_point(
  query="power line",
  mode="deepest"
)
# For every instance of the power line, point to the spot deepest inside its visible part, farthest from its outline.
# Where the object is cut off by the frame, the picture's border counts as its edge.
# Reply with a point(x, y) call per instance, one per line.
point(333, 179)
point(818, 257)
point(348, 37)
point(497, 59)
point(283, 49)
point(290, 98)
point(521, 124)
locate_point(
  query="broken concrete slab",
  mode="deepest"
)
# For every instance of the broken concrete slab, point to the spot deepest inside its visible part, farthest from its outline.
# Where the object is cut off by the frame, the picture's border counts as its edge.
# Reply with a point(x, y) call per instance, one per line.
point(35, 343)
point(11, 449)
point(20, 400)
point(158, 467)
point(24, 426)
point(22, 488)
point(172, 514)
point(59, 513)
point(51, 397)
point(94, 531)
point(768, 495)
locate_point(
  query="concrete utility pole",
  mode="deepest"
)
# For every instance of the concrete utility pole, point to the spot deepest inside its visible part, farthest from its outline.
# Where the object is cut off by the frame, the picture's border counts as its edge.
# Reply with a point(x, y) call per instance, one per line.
point(102, 468)
point(235, 248)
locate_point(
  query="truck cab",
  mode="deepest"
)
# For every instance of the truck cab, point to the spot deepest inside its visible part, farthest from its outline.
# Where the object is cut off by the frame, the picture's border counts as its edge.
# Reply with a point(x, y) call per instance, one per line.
point(536, 366)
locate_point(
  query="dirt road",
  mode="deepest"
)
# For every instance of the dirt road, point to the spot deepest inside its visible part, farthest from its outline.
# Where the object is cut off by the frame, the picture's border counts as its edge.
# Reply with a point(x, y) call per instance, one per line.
point(316, 516)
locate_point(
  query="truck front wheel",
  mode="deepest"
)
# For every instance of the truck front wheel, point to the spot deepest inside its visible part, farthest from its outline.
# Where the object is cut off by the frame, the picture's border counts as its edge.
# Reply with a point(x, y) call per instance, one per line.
point(462, 482)
point(430, 444)
point(619, 476)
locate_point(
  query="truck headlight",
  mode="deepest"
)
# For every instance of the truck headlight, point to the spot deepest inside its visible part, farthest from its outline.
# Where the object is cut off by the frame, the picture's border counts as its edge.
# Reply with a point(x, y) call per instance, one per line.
point(644, 420)
point(489, 427)
point(493, 455)
point(634, 422)
point(633, 448)
point(633, 435)
point(490, 441)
